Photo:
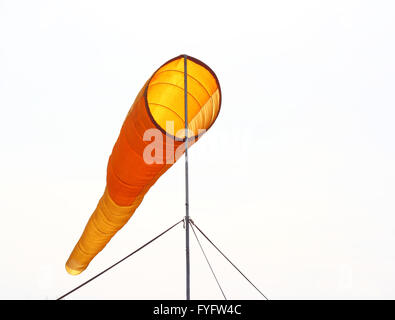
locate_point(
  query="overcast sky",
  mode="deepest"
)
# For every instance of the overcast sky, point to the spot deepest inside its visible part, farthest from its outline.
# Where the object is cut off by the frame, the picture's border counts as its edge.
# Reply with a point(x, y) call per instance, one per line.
point(294, 181)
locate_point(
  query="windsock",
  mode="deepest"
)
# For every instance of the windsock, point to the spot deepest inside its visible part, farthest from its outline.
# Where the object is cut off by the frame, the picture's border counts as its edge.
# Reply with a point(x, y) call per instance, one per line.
point(151, 139)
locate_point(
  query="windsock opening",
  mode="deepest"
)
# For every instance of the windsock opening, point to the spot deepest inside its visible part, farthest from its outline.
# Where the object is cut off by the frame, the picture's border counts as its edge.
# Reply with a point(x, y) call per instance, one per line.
point(165, 97)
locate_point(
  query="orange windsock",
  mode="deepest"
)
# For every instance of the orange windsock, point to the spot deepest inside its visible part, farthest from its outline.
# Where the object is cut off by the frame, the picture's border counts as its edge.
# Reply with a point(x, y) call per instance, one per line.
point(151, 139)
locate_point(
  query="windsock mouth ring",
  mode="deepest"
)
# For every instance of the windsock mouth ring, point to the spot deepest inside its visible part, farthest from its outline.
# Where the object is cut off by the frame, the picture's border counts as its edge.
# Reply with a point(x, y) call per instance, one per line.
point(180, 115)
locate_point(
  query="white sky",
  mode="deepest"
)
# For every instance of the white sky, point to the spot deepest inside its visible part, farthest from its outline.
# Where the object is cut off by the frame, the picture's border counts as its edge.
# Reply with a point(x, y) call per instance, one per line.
point(295, 180)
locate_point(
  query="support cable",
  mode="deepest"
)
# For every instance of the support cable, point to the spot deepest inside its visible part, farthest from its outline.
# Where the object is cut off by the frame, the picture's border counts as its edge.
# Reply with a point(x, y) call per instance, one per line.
point(123, 259)
point(204, 235)
point(208, 262)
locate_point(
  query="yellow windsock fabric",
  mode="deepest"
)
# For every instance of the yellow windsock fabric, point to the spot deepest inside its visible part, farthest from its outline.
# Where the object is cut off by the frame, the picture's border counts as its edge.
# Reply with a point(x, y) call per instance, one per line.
point(151, 139)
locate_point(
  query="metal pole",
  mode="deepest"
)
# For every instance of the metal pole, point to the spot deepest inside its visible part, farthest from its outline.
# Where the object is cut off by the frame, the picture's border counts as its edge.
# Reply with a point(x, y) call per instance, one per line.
point(188, 271)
